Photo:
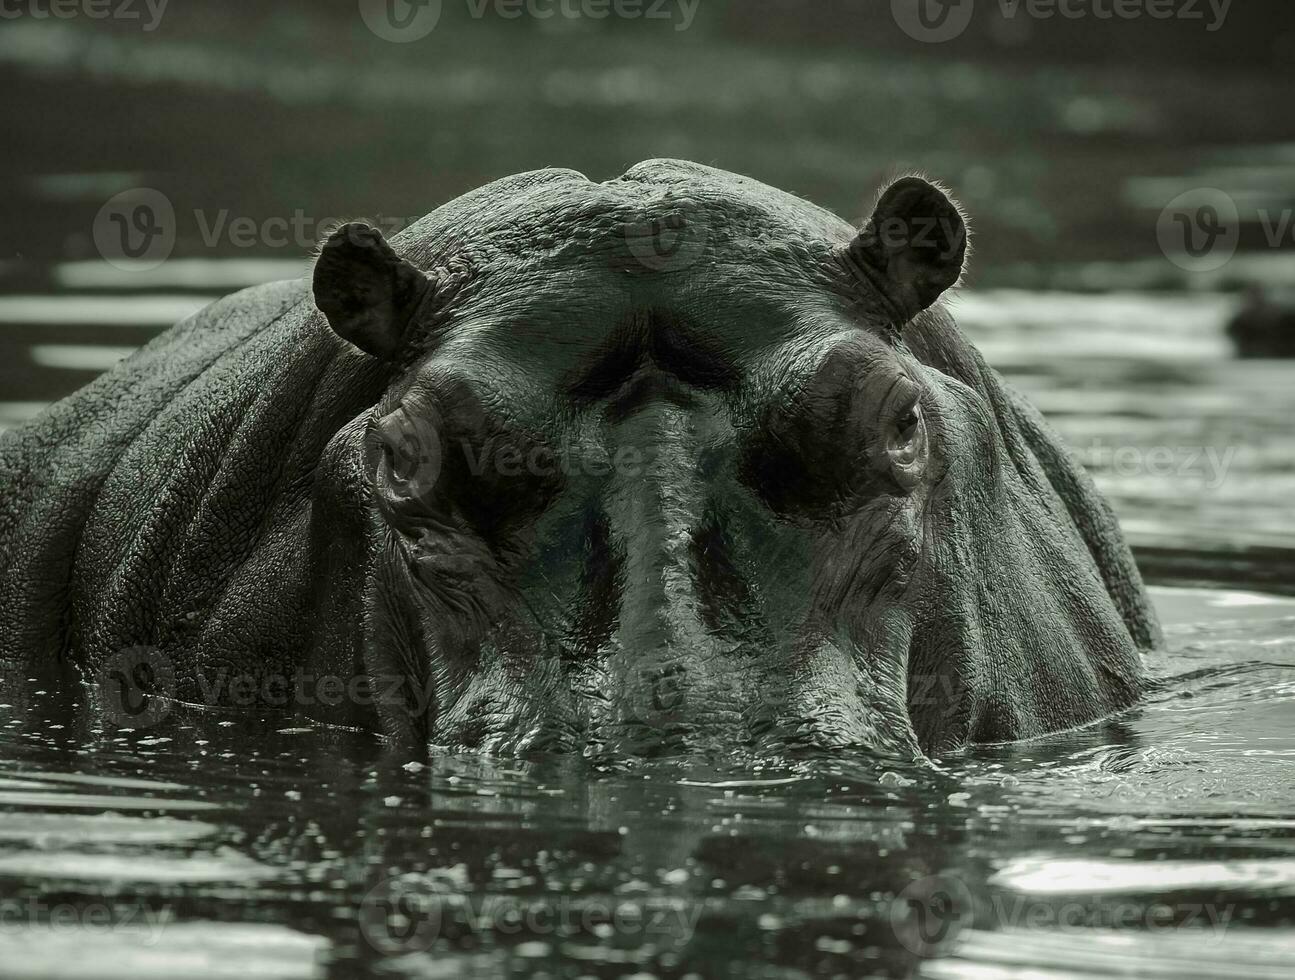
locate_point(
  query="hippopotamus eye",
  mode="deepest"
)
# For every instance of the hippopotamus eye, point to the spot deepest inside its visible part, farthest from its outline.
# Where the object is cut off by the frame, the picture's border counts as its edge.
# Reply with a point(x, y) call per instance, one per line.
point(408, 443)
point(906, 444)
point(459, 469)
point(906, 425)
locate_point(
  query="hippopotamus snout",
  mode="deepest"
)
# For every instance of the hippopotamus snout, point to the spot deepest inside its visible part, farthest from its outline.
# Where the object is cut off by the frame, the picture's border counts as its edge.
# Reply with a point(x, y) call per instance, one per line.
point(654, 548)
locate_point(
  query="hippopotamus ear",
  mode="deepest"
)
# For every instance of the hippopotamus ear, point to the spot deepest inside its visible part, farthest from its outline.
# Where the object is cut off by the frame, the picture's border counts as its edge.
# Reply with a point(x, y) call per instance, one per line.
point(913, 246)
point(367, 291)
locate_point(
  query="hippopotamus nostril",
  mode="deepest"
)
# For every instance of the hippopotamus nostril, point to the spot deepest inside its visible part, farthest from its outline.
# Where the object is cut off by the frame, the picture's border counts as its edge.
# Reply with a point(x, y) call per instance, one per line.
point(729, 601)
point(669, 688)
point(645, 386)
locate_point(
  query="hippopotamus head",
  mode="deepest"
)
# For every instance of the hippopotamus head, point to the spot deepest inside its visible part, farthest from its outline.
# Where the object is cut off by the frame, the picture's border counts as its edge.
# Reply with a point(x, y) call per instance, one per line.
point(680, 460)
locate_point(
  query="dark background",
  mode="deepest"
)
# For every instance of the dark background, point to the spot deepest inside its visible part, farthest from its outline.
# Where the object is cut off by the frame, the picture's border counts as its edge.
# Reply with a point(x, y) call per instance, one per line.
point(1064, 138)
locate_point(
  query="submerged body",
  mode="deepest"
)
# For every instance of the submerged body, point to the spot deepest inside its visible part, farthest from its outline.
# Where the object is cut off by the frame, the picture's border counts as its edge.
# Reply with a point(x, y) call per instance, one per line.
point(665, 461)
point(1264, 326)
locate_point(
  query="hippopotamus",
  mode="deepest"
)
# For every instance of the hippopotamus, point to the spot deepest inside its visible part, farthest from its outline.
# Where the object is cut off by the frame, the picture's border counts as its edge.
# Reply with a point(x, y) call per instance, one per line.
point(664, 463)
point(1264, 325)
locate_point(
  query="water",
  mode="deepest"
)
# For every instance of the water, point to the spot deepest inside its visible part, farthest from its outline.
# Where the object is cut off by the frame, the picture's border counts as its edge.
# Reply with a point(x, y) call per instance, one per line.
point(1159, 843)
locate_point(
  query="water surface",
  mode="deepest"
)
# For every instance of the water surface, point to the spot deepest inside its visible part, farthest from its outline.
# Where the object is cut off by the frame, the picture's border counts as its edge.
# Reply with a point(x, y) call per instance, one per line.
point(1158, 843)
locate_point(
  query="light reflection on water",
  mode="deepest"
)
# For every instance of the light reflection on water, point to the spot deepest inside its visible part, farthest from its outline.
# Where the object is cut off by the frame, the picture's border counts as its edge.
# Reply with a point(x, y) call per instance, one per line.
point(1159, 843)
point(1162, 838)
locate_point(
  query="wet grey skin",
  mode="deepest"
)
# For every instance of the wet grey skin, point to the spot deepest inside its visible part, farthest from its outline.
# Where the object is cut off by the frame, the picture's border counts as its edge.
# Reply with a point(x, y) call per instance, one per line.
point(669, 463)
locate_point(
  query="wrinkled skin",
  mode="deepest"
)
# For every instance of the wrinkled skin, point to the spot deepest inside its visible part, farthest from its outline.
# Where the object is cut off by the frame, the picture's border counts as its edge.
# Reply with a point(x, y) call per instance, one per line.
point(552, 489)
